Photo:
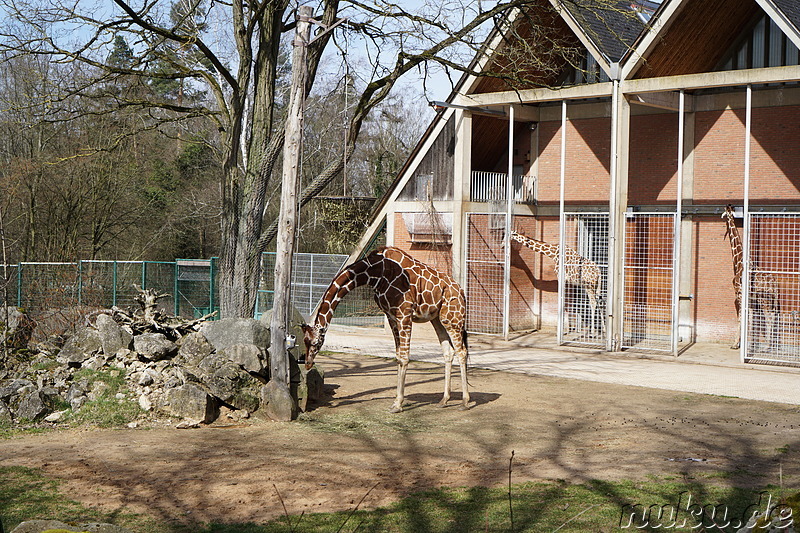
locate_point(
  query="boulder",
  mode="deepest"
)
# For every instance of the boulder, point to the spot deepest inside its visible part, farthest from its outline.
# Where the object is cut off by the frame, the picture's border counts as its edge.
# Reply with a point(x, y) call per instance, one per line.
point(15, 327)
point(229, 382)
point(193, 348)
point(154, 346)
point(80, 347)
point(229, 331)
point(192, 402)
point(33, 406)
point(5, 414)
point(12, 388)
point(310, 388)
point(276, 403)
point(112, 337)
point(248, 356)
point(40, 526)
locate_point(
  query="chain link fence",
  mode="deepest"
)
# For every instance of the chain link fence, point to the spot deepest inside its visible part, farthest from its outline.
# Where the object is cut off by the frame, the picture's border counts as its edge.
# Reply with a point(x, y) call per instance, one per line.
point(61, 288)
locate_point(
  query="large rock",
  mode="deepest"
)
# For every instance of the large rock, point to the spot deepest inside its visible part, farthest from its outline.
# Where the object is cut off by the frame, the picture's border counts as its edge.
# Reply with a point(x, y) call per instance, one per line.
point(11, 388)
point(80, 347)
point(310, 388)
point(41, 526)
point(33, 406)
point(154, 346)
point(5, 414)
point(229, 382)
point(192, 402)
point(113, 337)
point(229, 331)
point(277, 403)
point(193, 348)
point(249, 356)
point(15, 327)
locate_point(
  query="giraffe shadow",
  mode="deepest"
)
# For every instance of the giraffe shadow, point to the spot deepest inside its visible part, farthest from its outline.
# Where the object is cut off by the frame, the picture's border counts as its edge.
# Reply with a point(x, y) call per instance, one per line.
point(421, 399)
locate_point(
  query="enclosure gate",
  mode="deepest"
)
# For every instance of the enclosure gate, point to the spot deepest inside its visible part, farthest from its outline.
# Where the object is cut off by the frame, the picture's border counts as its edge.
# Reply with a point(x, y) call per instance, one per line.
point(648, 274)
point(772, 314)
point(485, 273)
point(581, 304)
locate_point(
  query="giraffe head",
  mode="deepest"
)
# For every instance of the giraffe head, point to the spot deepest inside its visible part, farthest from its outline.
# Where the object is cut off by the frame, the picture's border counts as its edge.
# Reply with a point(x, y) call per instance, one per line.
point(313, 338)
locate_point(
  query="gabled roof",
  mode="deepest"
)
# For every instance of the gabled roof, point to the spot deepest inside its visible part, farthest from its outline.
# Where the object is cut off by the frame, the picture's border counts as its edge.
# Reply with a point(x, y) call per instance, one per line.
point(613, 27)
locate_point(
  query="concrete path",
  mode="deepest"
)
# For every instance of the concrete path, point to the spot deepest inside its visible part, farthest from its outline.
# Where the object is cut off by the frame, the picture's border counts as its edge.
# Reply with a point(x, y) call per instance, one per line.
point(703, 368)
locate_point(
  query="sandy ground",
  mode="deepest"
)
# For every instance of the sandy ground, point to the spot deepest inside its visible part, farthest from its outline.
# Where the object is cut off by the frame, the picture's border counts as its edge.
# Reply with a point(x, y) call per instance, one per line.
point(349, 446)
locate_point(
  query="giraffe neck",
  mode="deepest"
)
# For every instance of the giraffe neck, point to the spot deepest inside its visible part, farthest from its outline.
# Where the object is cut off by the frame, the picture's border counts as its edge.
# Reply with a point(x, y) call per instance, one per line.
point(550, 250)
point(352, 277)
point(736, 242)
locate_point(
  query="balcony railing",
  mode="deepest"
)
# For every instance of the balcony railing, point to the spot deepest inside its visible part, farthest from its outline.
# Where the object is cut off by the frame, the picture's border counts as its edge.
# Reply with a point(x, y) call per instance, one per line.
point(491, 187)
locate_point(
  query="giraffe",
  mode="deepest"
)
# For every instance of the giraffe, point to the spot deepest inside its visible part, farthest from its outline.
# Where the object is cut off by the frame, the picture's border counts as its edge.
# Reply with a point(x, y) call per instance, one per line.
point(578, 270)
point(407, 291)
point(764, 287)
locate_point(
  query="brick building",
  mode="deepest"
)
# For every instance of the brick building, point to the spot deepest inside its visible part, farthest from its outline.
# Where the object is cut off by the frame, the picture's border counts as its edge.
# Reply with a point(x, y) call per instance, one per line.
point(627, 155)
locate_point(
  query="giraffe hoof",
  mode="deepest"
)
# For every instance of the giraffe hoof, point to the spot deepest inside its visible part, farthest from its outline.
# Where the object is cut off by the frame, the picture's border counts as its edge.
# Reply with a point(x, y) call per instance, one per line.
point(395, 409)
point(442, 403)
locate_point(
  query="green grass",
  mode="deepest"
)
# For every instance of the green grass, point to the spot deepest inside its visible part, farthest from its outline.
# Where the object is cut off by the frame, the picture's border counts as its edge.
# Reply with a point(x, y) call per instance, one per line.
point(535, 507)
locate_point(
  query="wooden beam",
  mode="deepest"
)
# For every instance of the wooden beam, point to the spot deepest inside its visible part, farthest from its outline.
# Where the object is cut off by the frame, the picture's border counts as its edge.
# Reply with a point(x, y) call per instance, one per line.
point(727, 78)
point(667, 100)
point(593, 90)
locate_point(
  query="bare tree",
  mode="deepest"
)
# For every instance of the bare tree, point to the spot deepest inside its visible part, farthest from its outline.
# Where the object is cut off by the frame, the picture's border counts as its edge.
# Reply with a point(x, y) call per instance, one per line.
point(230, 52)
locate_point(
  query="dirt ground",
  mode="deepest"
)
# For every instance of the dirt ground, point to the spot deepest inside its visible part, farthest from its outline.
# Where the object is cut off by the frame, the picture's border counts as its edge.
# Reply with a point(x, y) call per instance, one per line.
point(349, 445)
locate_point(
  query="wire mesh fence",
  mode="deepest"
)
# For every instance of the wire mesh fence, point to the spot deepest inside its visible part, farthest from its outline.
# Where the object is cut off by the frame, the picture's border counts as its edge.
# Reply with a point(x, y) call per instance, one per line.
point(485, 273)
point(648, 282)
point(491, 186)
point(586, 275)
point(311, 275)
point(52, 288)
point(772, 333)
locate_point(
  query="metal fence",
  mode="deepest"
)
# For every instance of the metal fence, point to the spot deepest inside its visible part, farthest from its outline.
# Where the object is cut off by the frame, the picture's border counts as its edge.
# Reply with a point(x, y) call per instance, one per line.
point(582, 302)
point(191, 284)
point(772, 330)
point(491, 186)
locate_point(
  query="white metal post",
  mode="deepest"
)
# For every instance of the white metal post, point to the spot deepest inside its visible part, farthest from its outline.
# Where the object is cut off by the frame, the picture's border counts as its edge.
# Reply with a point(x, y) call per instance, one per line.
point(509, 213)
point(676, 255)
point(561, 223)
point(611, 303)
point(745, 283)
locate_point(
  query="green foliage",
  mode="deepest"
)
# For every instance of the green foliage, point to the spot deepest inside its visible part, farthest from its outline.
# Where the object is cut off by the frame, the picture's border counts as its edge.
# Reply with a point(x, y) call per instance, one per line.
point(122, 55)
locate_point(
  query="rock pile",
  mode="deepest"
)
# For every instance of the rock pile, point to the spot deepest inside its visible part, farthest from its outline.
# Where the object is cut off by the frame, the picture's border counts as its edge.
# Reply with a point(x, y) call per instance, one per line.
point(223, 365)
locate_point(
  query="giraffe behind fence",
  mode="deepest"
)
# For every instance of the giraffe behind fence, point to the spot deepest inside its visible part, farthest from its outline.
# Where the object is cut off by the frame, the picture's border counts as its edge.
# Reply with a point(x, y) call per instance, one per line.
point(578, 270)
point(763, 286)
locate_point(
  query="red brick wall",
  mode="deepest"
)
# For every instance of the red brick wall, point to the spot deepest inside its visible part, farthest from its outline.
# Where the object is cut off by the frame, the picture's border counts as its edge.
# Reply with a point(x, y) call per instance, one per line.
point(534, 280)
point(774, 162)
point(652, 165)
point(586, 179)
point(439, 257)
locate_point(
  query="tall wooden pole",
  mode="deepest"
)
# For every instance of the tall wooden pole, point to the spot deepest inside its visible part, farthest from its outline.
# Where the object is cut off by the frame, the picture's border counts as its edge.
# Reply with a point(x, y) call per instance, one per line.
point(281, 406)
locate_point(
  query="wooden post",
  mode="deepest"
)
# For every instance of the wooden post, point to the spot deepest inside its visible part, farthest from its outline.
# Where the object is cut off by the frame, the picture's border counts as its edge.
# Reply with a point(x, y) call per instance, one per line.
point(281, 404)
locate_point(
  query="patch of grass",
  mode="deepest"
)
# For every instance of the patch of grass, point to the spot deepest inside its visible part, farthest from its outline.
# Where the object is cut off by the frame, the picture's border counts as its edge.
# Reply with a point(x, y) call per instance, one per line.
point(544, 506)
point(106, 410)
point(26, 494)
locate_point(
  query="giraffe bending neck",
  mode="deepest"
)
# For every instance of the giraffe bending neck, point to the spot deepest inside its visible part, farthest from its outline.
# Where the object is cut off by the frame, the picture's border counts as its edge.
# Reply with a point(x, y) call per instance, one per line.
point(352, 277)
point(407, 291)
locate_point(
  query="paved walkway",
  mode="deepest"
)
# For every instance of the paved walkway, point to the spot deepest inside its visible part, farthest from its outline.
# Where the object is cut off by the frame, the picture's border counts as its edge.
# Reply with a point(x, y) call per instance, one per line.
point(703, 368)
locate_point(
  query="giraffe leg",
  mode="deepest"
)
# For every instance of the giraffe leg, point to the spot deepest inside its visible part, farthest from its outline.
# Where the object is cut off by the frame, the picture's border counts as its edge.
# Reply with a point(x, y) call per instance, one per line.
point(455, 332)
point(447, 352)
point(403, 337)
